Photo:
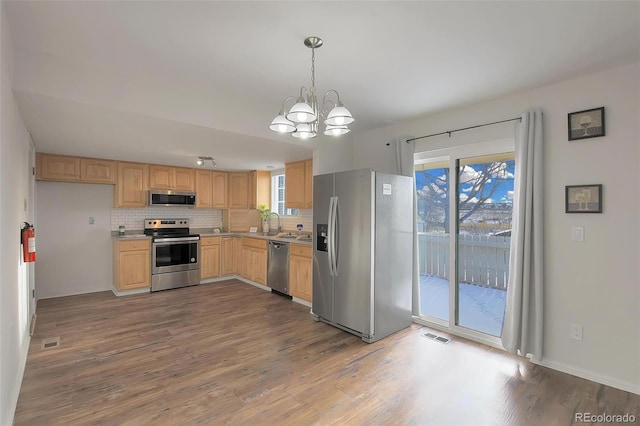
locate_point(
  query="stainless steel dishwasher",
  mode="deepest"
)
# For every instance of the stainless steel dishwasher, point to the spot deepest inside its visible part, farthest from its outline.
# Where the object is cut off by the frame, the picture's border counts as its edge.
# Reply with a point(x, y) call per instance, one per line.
point(278, 270)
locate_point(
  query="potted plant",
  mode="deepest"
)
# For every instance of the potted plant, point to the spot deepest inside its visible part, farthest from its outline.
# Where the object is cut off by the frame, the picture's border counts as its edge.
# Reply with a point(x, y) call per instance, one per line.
point(265, 213)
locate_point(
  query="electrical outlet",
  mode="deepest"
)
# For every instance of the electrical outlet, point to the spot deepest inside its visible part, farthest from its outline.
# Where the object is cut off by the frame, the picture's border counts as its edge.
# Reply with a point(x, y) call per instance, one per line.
point(575, 331)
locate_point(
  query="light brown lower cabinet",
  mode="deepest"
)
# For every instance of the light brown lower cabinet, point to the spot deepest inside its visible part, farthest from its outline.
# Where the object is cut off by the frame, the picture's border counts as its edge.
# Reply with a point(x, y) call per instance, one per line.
point(300, 272)
point(237, 255)
point(132, 264)
point(254, 260)
point(227, 259)
point(209, 257)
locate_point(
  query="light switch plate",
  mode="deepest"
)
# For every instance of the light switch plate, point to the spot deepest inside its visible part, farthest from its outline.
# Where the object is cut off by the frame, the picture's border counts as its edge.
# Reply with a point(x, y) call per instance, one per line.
point(577, 233)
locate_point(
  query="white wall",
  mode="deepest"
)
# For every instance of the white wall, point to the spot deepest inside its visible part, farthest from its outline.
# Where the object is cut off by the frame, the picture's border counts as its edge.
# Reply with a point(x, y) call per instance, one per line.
point(594, 283)
point(74, 257)
point(15, 208)
point(333, 155)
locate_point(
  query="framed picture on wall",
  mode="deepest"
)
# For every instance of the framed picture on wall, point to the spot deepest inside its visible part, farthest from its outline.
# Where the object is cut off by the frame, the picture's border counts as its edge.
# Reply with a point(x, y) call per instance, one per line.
point(586, 124)
point(583, 199)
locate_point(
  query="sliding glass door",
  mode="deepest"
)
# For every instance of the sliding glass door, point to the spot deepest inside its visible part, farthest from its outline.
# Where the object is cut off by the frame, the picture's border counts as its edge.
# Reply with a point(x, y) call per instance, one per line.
point(432, 184)
point(469, 198)
point(484, 210)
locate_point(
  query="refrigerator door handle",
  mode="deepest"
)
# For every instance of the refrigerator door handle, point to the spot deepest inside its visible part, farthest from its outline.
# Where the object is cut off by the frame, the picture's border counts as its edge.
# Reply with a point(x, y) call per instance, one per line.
point(330, 236)
point(334, 237)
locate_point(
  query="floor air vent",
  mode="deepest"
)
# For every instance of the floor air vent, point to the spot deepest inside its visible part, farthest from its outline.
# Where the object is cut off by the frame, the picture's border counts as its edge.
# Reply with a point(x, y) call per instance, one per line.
point(436, 338)
point(50, 343)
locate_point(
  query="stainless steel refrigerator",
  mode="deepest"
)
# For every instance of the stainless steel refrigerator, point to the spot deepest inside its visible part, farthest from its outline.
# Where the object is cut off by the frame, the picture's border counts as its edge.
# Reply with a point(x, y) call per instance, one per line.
point(362, 256)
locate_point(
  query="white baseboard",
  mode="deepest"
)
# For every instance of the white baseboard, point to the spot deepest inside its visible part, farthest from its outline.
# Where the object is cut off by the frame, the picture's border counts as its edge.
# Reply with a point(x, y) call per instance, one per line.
point(15, 392)
point(129, 292)
point(32, 326)
point(300, 301)
point(235, 277)
point(589, 375)
point(219, 279)
point(246, 281)
point(565, 368)
point(260, 286)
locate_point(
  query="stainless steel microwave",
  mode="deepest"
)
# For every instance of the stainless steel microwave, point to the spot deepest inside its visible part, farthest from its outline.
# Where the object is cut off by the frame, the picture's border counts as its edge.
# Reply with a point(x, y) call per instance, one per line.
point(172, 198)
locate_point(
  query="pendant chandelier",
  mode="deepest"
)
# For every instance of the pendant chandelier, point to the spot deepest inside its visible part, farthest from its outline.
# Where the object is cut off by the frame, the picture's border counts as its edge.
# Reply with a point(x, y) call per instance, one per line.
point(304, 116)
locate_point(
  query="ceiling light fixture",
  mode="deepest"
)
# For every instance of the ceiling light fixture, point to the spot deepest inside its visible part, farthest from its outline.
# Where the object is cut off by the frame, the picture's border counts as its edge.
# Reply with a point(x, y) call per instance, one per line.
point(201, 161)
point(303, 117)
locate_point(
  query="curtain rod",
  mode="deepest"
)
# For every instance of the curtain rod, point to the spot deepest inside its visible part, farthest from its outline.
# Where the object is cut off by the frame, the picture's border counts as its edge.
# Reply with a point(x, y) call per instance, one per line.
point(448, 132)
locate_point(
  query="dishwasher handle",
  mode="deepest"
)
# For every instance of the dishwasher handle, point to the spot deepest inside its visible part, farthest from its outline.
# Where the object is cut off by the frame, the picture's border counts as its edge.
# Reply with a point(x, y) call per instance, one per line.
point(277, 245)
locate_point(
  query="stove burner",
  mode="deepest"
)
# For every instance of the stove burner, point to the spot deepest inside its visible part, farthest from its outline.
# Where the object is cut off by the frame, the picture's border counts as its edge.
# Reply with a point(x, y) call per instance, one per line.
point(167, 228)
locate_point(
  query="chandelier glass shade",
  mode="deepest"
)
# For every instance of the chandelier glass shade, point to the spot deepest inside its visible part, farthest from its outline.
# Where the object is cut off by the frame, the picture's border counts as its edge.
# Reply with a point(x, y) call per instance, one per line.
point(303, 118)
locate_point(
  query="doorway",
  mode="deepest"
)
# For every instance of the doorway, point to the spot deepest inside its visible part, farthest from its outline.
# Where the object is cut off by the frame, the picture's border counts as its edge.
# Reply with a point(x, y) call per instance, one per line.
point(464, 213)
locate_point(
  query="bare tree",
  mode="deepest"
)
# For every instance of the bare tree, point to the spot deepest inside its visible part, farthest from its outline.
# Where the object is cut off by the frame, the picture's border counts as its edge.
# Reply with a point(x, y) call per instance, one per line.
point(433, 197)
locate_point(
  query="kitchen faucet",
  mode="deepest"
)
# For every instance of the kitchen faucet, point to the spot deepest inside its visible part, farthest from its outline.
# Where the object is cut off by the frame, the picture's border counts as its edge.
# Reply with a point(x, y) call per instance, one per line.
point(278, 229)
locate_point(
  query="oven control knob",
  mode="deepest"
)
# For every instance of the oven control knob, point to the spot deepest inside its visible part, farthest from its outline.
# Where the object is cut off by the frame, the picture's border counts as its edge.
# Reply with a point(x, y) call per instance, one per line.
point(193, 259)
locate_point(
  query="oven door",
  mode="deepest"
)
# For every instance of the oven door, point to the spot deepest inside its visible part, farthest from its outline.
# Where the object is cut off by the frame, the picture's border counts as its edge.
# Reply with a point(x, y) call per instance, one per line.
point(175, 254)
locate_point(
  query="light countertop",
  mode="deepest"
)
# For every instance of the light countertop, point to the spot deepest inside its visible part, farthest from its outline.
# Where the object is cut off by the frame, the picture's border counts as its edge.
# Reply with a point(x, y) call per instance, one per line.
point(208, 232)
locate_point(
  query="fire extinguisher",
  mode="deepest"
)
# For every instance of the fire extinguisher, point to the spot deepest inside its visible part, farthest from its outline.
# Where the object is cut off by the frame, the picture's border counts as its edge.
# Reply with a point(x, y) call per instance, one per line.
point(28, 240)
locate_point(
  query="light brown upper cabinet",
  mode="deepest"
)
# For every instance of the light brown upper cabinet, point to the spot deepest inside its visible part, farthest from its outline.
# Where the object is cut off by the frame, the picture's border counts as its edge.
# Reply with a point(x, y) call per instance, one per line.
point(220, 197)
point(97, 171)
point(171, 178)
point(131, 185)
point(299, 185)
point(185, 179)
point(64, 168)
point(259, 189)
point(238, 190)
point(308, 184)
point(57, 167)
point(211, 189)
point(204, 189)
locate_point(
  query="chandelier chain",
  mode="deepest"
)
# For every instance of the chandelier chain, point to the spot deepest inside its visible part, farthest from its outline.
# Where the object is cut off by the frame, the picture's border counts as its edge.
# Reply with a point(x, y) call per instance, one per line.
point(313, 70)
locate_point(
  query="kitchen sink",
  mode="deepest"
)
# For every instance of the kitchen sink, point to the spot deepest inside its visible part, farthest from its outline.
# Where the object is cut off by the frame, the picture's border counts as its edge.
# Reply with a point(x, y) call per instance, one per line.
point(286, 235)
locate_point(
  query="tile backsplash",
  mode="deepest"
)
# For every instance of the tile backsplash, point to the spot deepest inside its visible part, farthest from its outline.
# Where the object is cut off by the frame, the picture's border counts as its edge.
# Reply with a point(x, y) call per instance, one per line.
point(289, 223)
point(133, 219)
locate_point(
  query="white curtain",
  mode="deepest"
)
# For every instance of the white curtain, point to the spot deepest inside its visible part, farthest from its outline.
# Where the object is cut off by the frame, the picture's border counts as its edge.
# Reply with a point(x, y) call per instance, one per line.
point(522, 330)
point(404, 156)
point(404, 151)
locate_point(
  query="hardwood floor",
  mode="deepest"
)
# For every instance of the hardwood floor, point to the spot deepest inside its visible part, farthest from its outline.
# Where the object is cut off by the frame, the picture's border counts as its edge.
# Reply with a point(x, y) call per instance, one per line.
point(229, 353)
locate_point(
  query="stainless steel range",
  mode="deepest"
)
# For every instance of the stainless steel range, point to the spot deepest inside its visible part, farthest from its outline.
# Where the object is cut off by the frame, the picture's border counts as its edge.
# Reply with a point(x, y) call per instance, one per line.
point(174, 253)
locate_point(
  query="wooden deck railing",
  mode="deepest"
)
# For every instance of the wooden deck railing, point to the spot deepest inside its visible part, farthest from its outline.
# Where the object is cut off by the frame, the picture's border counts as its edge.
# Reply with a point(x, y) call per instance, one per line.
point(483, 260)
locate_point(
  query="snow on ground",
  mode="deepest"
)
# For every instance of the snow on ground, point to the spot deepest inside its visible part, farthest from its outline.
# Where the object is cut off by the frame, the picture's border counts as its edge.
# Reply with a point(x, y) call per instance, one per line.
point(481, 308)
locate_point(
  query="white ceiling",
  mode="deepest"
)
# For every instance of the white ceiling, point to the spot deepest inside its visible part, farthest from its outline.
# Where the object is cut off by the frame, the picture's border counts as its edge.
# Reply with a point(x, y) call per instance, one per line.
point(164, 82)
